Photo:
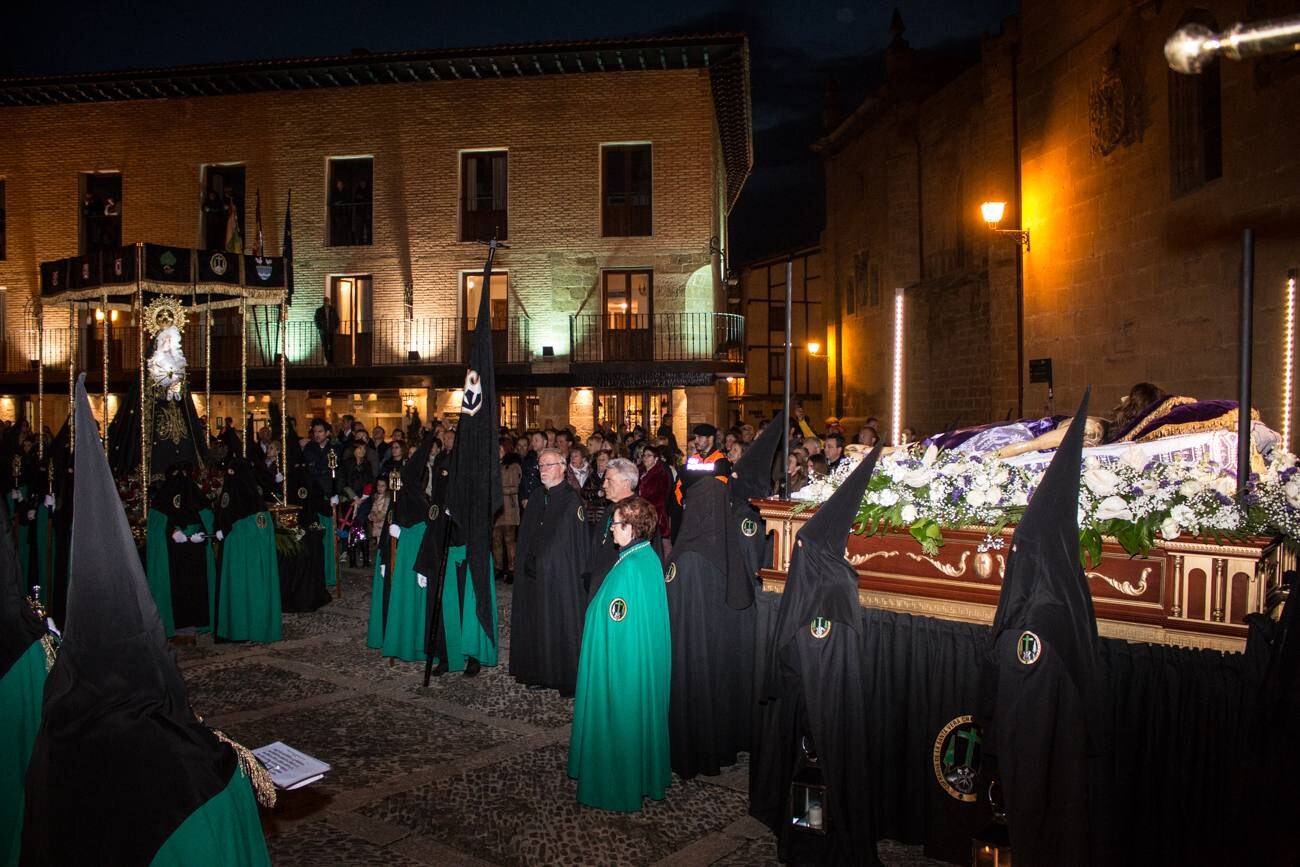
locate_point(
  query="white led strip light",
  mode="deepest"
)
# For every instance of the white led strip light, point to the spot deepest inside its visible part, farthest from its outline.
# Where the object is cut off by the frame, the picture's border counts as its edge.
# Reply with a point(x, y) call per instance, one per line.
point(1288, 358)
point(897, 413)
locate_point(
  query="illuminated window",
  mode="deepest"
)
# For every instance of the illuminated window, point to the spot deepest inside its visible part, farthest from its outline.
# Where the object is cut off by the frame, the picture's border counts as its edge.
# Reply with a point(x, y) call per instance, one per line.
point(100, 211)
point(2, 221)
point(626, 190)
point(222, 209)
point(484, 202)
point(1195, 121)
point(351, 201)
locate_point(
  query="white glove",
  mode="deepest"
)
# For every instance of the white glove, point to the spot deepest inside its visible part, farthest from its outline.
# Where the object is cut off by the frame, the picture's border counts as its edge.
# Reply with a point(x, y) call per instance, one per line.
point(421, 580)
point(279, 477)
point(394, 530)
point(199, 537)
point(178, 536)
point(49, 501)
point(16, 494)
point(381, 570)
point(220, 535)
point(363, 498)
point(31, 514)
point(334, 500)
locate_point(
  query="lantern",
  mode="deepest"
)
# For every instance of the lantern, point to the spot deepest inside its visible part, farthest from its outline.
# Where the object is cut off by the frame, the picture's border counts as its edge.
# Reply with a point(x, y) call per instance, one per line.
point(807, 806)
point(992, 846)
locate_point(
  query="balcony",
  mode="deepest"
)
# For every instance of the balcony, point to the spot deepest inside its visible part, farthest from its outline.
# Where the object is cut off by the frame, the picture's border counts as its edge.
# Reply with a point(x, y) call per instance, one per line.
point(711, 338)
point(418, 346)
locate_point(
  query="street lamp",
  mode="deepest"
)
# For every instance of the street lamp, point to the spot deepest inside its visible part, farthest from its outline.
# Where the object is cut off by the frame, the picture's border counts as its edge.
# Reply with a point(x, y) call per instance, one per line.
point(992, 212)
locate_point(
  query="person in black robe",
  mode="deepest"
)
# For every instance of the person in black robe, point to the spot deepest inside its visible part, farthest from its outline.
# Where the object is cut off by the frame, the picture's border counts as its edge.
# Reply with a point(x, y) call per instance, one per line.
point(302, 575)
point(548, 603)
point(61, 457)
point(751, 479)
point(1042, 697)
point(710, 706)
point(182, 502)
point(120, 762)
point(813, 716)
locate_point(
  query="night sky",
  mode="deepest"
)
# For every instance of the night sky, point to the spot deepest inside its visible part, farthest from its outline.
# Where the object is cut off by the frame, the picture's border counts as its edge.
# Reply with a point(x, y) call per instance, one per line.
point(794, 48)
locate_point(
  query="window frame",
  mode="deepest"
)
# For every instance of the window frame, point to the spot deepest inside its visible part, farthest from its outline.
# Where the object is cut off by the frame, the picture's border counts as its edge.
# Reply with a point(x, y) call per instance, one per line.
point(464, 231)
point(628, 215)
point(369, 234)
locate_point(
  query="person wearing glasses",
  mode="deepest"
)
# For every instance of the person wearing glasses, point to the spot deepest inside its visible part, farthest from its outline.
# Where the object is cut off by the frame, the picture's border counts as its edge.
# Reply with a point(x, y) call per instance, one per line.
point(551, 556)
point(618, 747)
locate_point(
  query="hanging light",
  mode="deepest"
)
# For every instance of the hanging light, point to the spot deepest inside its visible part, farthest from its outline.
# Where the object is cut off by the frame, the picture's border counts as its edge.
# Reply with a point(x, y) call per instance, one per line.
point(806, 810)
point(992, 846)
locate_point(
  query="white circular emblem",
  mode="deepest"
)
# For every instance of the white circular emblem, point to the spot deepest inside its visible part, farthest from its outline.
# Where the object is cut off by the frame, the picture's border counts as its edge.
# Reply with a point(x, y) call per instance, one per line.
point(218, 264)
point(433, 512)
point(749, 527)
point(582, 515)
point(261, 520)
point(617, 609)
point(671, 573)
point(820, 628)
point(302, 493)
point(225, 500)
point(1028, 648)
point(176, 501)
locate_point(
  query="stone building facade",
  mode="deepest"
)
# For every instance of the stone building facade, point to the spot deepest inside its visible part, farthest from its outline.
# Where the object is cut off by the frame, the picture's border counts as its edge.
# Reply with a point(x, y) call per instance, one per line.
point(1133, 182)
point(411, 121)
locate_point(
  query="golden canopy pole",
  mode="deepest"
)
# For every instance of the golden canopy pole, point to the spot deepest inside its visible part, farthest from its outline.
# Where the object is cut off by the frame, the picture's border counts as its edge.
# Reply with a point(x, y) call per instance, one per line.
point(144, 434)
point(284, 411)
point(103, 412)
point(40, 382)
point(207, 364)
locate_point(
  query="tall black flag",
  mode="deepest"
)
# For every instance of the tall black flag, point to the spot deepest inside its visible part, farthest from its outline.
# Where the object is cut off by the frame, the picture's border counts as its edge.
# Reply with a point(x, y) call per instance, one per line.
point(474, 474)
point(286, 250)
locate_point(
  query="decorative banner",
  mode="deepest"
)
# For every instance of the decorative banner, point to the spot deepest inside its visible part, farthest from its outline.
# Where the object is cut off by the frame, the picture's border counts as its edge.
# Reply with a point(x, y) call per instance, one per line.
point(83, 271)
point(54, 276)
point(117, 265)
point(218, 266)
point(264, 271)
point(168, 264)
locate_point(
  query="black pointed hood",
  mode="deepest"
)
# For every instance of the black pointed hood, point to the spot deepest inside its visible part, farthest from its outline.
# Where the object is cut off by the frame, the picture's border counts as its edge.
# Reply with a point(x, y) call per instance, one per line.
point(821, 583)
point(240, 495)
point(1044, 590)
point(19, 624)
point(751, 479)
point(120, 760)
point(704, 530)
point(411, 506)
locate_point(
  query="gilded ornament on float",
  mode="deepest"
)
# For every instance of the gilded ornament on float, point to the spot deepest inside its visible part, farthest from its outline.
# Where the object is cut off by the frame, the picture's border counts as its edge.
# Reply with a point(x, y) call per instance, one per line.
point(164, 312)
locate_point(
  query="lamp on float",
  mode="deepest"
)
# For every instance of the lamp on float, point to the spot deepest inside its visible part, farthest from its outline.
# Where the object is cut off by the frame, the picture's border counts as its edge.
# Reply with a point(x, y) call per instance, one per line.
point(1288, 358)
point(896, 406)
point(993, 212)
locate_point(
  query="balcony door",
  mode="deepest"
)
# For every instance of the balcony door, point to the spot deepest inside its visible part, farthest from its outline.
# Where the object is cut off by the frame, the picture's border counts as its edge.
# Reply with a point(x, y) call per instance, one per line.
point(498, 304)
point(354, 343)
point(628, 315)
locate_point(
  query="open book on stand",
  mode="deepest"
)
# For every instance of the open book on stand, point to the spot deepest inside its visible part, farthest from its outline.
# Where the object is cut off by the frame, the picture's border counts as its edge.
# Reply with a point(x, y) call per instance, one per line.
point(289, 768)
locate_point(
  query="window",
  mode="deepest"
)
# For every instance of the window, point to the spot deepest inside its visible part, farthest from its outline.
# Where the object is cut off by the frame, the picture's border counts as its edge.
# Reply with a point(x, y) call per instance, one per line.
point(350, 201)
point(1195, 122)
point(627, 299)
point(3, 237)
point(776, 366)
point(100, 211)
point(483, 201)
point(626, 193)
point(223, 208)
point(472, 283)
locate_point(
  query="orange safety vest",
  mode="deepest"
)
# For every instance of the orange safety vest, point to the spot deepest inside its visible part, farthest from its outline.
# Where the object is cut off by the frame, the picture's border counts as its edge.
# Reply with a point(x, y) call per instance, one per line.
point(706, 462)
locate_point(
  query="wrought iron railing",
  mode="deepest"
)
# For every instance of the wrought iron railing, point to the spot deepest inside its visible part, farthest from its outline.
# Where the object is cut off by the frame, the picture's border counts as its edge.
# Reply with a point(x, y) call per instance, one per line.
point(382, 342)
point(657, 337)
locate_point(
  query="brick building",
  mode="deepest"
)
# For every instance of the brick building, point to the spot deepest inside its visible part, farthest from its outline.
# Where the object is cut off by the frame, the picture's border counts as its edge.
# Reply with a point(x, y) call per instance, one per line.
point(609, 168)
point(1133, 182)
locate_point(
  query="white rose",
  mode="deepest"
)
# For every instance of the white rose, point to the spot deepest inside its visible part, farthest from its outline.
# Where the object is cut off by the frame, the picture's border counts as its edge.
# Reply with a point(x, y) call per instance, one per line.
point(1183, 515)
point(938, 493)
point(1101, 481)
point(1190, 488)
point(888, 497)
point(895, 471)
point(917, 478)
point(1169, 529)
point(1292, 491)
point(1112, 508)
point(1020, 497)
point(908, 514)
point(1134, 457)
point(933, 452)
point(1226, 485)
point(977, 498)
point(999, 475)
point(1148, 486)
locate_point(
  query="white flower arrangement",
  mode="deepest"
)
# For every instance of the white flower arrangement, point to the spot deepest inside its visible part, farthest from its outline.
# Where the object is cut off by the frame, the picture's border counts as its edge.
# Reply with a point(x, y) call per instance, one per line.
point(1134, 499)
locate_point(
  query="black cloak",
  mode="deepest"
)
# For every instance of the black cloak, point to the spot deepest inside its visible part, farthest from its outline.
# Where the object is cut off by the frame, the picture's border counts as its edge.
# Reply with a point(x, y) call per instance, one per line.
point(177, 435)
point(61, 457)
point(181, 501)
point(813, 704)
point(710, 707)
point(548, 604)
point(1042, 701)
point(120, 760)
point(431, 561)
point(241, 495)
point(302, 576)
point(752, 480)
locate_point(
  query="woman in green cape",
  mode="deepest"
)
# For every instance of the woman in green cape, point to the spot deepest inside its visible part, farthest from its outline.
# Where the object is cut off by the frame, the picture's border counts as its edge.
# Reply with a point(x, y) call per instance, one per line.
point(397, 605)
point(618, 751)
point(23, 663)
point(248, 601)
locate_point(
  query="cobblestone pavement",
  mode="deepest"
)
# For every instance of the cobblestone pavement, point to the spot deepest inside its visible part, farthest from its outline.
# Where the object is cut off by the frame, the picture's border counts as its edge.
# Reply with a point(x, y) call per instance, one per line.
point(465, 772)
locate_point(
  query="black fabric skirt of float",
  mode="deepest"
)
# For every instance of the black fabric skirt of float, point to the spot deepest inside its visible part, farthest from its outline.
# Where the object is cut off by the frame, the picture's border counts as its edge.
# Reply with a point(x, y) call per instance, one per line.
point(302, 576)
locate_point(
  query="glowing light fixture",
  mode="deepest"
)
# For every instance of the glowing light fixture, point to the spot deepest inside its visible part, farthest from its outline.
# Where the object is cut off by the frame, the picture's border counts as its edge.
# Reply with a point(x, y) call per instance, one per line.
point(993, 212)
point(897, 407)
point(814, 347)
point(1288, 358)
point(99, 315)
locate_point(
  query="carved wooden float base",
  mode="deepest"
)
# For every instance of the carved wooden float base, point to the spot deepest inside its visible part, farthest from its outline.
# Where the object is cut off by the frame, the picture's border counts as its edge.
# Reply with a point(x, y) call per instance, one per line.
point(1188, 592)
